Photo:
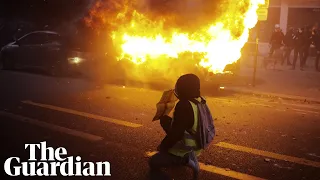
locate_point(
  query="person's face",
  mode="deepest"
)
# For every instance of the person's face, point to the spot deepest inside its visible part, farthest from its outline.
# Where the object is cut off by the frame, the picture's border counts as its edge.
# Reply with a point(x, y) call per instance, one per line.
point(277, 29)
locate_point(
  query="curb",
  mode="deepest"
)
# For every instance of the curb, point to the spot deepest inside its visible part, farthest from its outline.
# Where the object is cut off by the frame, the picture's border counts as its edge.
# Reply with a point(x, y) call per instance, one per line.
point(283, 96)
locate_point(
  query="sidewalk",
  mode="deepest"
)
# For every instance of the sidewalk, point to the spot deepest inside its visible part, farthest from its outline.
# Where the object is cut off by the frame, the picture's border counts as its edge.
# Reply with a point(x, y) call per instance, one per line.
point(281, 82)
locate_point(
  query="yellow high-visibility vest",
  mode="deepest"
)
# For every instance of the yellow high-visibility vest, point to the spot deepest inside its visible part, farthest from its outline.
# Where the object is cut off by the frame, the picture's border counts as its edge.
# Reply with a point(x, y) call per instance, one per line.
point(188, 143)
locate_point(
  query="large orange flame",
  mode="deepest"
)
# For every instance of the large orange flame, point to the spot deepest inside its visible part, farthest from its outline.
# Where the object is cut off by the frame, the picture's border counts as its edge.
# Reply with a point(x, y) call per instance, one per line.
point(149, 40)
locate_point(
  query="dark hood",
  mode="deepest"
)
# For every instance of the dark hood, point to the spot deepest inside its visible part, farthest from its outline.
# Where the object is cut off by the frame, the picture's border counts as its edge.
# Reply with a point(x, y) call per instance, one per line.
point(187, 87)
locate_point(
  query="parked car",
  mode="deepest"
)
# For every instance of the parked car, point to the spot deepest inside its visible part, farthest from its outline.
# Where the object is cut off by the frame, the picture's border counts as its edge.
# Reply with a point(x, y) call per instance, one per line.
point(46, 50)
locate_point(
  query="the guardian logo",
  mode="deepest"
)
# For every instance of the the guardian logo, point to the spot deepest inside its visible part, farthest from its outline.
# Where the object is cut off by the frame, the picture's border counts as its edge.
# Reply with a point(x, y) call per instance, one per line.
point(53, 162)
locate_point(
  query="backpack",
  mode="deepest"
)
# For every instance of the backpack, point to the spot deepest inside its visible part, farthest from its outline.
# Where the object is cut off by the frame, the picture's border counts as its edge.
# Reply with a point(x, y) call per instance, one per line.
point(206, 130)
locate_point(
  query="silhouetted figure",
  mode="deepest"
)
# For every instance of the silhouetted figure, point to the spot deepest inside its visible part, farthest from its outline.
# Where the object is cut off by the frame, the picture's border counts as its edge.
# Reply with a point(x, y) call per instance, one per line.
point(307, 40)
point(316, 41)
point(181, 146)
point(298, 48)
point(276, 40)
point(289, 45)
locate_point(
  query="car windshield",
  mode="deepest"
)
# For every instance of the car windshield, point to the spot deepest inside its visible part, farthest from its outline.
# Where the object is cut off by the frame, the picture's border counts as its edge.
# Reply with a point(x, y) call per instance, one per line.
point(41, 38)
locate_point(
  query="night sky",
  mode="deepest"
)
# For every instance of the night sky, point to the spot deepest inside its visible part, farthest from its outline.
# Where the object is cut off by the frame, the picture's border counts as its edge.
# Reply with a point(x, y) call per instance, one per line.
point(42, 10)
point(30, 15)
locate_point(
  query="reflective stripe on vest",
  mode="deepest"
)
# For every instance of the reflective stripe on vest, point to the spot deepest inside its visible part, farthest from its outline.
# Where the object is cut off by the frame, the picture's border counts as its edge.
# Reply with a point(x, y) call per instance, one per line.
point(188, 143)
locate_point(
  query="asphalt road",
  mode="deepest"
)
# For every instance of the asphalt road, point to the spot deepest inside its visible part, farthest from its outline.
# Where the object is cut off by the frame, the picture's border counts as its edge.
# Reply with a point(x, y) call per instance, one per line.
point(257, 137)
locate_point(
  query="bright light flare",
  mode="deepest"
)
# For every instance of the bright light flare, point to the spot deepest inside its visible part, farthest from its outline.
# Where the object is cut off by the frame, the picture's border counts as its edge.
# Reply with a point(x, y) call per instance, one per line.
point(75, 60)
point(142, 40)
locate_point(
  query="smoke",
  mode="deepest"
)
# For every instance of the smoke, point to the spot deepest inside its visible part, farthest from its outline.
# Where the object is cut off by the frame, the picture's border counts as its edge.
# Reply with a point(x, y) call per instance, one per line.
point(186, 15)
point(71, 26)
point(83, 11)
point(106, 16)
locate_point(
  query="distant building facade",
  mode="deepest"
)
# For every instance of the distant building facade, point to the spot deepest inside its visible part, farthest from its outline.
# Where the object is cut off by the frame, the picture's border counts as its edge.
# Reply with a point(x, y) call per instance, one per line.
point(290, 13)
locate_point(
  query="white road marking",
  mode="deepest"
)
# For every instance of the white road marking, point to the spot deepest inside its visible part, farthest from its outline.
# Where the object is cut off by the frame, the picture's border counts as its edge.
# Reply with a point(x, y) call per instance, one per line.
point(258, 104)
point(269, 154)
point(220, 171)
point(315, 107)
point(84, 114)
point(306, 111)
point(53, 127)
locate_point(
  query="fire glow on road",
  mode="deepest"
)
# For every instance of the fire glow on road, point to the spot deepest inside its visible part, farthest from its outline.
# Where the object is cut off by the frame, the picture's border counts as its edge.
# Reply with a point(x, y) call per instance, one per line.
point(84, 114)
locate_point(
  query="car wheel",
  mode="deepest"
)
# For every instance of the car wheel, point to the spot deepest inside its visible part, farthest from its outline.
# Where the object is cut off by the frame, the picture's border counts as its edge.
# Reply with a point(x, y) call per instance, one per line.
point(53, 71)
point(56, 70)
point(7, 63)
point(1, 64)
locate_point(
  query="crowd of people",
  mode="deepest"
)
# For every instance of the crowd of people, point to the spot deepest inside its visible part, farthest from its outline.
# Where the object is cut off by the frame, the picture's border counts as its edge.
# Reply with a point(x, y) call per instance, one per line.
point(297, 40)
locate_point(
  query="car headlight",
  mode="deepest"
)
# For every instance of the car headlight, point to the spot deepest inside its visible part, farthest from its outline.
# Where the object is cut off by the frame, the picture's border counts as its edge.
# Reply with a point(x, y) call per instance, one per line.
point(75, 60)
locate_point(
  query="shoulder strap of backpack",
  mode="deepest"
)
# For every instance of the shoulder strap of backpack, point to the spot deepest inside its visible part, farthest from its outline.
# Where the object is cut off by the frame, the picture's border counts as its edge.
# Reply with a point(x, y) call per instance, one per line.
point(194, 101)
point(203, 101)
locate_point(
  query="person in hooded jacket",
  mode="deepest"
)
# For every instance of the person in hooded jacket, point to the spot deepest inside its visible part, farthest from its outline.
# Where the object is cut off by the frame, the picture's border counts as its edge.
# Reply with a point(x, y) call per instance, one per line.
point(276, 40)
point(307, 40)
point(183, 121)
point(298, 48)
point(288, 42)
point(316, 41)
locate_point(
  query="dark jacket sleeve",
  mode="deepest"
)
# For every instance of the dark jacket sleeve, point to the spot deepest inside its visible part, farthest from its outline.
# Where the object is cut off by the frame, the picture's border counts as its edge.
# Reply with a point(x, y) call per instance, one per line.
point(317, 42)
point(165, 122)
point(183, 120)
point(282, 37)
point(286, 39)
point(272, 38)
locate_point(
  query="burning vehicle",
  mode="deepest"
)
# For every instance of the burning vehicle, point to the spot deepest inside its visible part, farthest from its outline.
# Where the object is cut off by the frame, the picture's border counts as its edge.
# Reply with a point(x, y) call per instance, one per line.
point(150, 40)
point(164, 39)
